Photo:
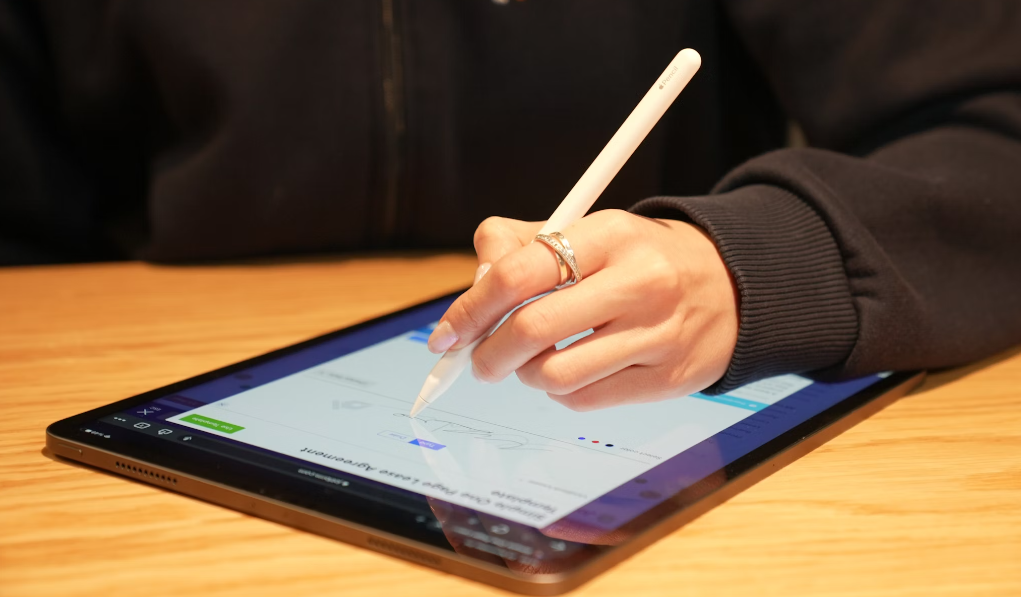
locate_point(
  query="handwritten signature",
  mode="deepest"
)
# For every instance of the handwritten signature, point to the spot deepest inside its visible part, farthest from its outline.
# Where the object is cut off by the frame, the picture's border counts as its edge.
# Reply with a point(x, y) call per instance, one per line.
point(502, 441)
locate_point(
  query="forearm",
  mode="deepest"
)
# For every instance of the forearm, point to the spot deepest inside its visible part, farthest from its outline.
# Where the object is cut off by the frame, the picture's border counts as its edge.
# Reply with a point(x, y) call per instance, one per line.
point(907, 258)
point(894, 243)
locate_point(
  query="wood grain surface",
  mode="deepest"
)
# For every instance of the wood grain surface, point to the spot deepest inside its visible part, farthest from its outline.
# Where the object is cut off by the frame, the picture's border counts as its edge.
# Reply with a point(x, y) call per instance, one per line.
point(922, 499)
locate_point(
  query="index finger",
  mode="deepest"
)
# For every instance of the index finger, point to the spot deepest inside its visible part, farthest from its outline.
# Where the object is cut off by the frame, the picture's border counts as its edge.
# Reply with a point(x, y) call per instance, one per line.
point(520, 275)
point(496, 237)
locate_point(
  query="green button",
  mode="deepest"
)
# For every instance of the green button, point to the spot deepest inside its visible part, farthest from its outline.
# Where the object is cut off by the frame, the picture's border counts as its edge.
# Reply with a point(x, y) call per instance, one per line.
point(212, 423)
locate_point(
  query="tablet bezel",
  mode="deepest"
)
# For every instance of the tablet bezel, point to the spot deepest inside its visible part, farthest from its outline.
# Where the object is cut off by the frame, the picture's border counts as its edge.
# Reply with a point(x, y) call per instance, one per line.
point(392, 528)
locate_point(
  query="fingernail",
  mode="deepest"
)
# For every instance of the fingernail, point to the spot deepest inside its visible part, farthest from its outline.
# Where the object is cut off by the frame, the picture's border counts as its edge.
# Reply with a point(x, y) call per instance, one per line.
point(481, 272)
point(442, 338)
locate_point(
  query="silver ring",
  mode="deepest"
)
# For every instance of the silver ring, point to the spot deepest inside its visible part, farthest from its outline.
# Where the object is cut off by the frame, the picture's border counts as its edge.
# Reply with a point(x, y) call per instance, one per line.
point(569, 256)
point(565, 257)
point(554, 245)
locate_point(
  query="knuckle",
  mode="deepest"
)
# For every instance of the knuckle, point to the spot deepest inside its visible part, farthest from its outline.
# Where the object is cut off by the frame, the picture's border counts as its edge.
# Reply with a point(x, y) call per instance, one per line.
point(615, 222)
point(608, 216)
point(661, 276)
point(531, 327)
point(484, 368)
point(549, 375)
point(490, 228)
point(574, 401)
point(558, 380)
point(509, 275)
point(467, 317)
point(531, 375)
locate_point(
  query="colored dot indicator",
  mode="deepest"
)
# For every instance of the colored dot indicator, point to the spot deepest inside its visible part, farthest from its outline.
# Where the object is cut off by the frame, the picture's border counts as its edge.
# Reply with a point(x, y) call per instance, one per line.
point(595, 441)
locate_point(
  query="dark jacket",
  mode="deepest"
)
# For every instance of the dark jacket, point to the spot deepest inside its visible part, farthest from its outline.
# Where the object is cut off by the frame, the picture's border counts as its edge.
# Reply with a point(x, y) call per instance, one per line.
point(190, 130)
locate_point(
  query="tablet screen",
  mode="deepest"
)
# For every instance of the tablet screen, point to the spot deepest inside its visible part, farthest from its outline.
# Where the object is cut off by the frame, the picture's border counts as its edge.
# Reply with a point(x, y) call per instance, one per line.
point(339, 411)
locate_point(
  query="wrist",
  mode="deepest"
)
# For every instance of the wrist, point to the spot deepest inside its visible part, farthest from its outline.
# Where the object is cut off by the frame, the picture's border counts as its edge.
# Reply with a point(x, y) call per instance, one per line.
point(796, 312)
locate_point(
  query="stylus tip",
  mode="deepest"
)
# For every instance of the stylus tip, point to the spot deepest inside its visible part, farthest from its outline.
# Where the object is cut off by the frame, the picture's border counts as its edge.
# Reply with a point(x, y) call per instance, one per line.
point(419, 406)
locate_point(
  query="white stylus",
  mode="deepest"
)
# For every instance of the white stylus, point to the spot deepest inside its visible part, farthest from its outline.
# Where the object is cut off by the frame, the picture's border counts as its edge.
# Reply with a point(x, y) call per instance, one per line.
point(585, 192)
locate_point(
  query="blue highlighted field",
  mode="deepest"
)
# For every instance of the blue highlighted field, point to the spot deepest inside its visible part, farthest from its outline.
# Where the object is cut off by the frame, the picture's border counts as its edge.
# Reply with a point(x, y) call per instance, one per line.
point(421, 334)
point(732, 401)
point(427, 444)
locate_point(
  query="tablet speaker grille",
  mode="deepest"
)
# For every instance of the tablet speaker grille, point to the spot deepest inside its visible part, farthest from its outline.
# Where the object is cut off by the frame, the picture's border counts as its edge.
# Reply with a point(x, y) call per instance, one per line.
point(145, 473)
point(403, 552)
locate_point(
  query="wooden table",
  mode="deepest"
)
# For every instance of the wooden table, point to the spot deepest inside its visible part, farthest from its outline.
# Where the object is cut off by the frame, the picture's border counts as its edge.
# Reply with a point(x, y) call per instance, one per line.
point(923, 499)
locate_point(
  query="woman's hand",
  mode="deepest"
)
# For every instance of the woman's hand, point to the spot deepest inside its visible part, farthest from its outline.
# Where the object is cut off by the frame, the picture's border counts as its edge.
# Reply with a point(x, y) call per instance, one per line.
point(662, 303)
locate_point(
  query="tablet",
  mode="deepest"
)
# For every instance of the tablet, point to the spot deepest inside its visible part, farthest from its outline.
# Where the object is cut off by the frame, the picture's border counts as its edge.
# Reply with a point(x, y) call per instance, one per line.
point(495, 482)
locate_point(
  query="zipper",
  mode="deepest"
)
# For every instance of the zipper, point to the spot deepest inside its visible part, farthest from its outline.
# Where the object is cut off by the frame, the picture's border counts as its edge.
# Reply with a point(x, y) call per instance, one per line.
point(393, 109)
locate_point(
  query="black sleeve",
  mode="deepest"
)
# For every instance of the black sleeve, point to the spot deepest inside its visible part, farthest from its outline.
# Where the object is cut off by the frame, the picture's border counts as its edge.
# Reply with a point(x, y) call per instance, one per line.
point(894, 242)
point(47, 202)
